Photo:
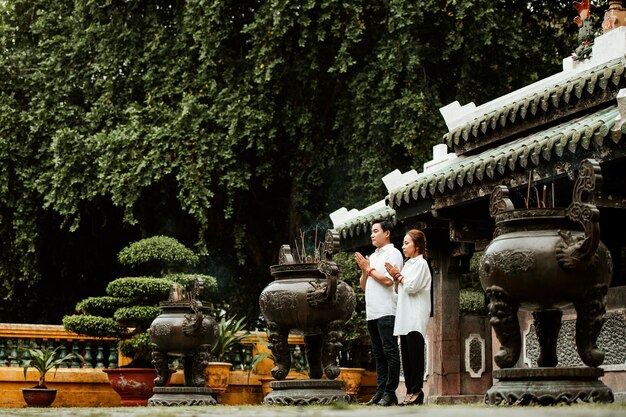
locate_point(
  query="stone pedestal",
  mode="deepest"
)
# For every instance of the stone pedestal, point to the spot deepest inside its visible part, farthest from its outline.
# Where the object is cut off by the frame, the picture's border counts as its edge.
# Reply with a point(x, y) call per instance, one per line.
point(548, 386)
point(170, 396)
point(306, 392)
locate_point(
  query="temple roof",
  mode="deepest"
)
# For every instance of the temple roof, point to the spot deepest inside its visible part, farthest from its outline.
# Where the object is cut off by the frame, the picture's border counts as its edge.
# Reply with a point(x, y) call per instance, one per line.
point(588, 131)
point(592, 132)
point(562, 91)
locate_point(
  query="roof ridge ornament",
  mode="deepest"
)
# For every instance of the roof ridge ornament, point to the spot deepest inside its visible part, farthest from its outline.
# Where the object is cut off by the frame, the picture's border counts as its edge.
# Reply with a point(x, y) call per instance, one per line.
point(585, 31)
point(614, 16)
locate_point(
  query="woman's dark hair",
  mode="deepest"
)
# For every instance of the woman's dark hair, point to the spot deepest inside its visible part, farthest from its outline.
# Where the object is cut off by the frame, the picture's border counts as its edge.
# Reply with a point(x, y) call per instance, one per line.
point(419, 240)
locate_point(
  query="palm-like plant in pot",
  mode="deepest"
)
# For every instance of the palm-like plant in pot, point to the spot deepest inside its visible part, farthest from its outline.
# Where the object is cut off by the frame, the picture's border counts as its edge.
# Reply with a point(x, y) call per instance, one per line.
point(131, 304)
point(43, 360)
point(231, 332)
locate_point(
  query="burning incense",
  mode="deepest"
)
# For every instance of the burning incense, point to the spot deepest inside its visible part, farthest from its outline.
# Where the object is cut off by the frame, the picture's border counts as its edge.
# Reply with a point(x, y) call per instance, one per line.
point(528, 192)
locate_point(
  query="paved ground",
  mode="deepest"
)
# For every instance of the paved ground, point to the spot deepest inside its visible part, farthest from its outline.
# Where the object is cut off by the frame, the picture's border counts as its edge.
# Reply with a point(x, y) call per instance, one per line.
point(578, 410)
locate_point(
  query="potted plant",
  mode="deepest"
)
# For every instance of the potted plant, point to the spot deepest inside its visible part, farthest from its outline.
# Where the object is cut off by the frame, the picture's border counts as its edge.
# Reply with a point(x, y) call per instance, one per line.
point(43, 360)
point(231, 332)
point(131, 304)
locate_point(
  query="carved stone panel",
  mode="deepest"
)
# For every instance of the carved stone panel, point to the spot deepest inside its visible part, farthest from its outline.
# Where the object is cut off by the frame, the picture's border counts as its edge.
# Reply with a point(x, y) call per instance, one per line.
point(611, 340)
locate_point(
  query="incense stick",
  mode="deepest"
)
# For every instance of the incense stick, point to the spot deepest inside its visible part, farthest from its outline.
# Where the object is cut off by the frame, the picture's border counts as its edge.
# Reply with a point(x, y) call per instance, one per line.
point(538, 201)
point(528, 192)
point(298, 252)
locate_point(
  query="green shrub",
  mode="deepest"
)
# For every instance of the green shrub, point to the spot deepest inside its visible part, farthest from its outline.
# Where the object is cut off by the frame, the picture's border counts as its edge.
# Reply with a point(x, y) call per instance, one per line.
point(101, 306)
point(471, 301)
point(146, 289)
point(95, 326)
point(137, 346)
point(137, 316)
point(162, 250)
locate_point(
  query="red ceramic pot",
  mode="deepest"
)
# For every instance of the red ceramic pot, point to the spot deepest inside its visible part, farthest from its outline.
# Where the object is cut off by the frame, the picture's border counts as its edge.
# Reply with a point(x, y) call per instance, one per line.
point(39, 397)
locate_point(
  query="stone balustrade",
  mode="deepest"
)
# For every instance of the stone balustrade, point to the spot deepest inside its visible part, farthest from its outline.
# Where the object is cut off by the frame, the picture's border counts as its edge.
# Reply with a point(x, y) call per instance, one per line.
point(15, 338)
point(85, 385)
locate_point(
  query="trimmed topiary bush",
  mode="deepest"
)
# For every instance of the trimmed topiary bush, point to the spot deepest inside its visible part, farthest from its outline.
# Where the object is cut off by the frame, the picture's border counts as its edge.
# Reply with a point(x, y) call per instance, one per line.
point(132, 302)
point(160, 251)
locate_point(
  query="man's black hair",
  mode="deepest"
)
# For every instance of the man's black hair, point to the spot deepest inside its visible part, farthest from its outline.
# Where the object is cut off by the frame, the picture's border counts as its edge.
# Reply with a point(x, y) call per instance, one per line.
point(385, 224)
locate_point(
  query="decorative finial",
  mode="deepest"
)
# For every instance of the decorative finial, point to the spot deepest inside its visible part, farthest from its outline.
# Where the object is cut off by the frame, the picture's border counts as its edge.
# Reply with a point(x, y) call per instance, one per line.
point(614, 16)
point(585, 31)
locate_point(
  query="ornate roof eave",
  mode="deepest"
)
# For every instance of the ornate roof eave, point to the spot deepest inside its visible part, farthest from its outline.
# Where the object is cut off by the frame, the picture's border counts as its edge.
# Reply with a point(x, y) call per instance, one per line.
point(361, 225)
point(551, 144)
point(562, 93)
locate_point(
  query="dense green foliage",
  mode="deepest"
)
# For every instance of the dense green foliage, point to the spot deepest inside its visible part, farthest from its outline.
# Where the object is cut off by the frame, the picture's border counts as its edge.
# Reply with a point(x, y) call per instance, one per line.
point(229, 124)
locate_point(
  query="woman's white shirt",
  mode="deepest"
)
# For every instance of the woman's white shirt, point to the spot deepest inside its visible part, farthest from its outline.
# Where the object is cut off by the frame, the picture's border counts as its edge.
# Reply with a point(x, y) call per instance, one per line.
point(413, 309)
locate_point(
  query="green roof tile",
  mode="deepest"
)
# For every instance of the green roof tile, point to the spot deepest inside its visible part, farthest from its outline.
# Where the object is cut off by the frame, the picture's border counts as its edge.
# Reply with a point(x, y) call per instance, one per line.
point(533, 150)
point(591, 81)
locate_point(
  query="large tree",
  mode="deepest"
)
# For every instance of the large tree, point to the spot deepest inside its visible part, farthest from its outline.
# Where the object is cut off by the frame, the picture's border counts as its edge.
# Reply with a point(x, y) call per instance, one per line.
point(229, 124)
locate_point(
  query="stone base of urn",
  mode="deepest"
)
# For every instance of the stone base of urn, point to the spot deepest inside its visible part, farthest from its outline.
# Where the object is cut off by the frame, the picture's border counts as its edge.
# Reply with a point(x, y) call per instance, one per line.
point(548, 386)
point(306, 392)
point(170, 396)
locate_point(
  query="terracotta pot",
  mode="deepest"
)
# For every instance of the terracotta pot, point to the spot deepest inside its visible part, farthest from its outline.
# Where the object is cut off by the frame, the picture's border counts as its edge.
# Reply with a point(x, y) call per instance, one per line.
point(351, 378)
point(39, 397)
point(217, 375)
point(134, 385)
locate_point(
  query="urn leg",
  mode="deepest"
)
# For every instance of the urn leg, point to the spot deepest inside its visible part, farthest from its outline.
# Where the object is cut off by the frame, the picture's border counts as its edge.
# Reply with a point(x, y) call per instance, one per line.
point(313, 350)
point(188, 370)
point(159, 360)
point(332, 335)
point(547, 326)
point(503, 318)
point(200, 362)
point(590, 309)
point(278, 338)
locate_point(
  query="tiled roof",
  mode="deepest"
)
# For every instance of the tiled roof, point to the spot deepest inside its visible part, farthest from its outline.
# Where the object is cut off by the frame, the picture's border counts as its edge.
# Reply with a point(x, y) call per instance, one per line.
point(588, 131)
point(560, 94)
point(363, 224)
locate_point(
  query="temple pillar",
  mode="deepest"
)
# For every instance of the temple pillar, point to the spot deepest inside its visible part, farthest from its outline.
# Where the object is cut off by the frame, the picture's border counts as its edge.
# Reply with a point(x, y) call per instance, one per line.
point(445, 350)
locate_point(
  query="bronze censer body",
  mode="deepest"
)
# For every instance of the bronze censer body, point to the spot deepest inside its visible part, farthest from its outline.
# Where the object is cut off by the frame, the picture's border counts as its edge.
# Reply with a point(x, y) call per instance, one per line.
point(310, 298)
point(543, 260)
point(184, 330)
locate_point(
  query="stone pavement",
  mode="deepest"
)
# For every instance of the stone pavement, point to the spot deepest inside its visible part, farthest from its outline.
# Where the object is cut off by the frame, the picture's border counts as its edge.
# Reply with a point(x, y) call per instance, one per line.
point(577, 410)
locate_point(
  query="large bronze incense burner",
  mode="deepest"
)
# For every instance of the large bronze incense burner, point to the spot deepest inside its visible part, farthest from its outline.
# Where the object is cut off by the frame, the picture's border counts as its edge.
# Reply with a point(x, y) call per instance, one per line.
point(183, 330)
point(310, 298)
point(543, 260)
